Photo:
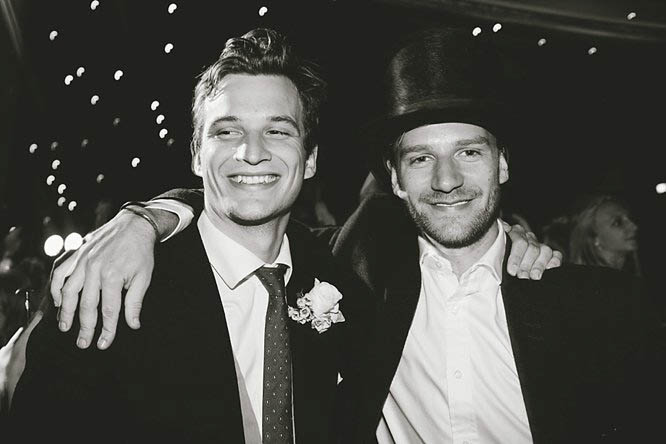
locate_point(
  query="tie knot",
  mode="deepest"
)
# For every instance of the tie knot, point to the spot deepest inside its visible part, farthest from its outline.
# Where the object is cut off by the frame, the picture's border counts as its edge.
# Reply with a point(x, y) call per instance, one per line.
point(272, 277)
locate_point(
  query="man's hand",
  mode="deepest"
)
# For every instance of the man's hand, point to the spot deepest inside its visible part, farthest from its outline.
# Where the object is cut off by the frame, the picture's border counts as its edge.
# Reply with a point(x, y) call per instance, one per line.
point(529, 258)
point(116, 256)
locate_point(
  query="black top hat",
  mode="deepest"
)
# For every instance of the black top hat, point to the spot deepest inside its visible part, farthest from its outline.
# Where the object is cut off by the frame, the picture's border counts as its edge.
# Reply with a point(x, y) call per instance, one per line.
point(437, 76)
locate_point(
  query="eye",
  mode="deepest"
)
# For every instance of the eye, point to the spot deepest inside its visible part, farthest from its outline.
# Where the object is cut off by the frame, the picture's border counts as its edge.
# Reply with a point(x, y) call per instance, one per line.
point(469, 153)
point(225, 133)
point(419, 160)
point(278, 133)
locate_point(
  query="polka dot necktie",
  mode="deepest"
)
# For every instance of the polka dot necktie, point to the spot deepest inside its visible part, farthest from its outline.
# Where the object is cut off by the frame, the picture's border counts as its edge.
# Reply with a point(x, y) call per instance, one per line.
point(276, 411)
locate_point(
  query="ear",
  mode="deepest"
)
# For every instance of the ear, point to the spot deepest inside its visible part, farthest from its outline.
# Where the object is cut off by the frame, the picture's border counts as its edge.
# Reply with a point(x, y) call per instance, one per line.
point(196, 164)
point(311, 164)
point(395, 182)
point(503, 168)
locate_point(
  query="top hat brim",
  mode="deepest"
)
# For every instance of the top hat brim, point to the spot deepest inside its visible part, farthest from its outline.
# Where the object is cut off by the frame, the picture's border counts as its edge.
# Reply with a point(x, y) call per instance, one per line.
point(380, 133)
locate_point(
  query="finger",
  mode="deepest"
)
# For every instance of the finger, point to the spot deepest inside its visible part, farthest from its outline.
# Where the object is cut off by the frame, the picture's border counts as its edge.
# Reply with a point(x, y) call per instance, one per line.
point(134, 299)
point(528, 259)
point(545, 254)
point(518, 248)
point(63, 267)
point(556, 260)
point(111, 301)
point(70, 298)
point(506, 226)
point(88, 308)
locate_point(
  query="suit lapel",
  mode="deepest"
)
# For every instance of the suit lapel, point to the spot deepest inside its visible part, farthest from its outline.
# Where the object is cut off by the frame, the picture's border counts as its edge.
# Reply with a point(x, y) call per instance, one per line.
point(531, 307)
point(401, 284)
point(314, 360)
point(197, 317)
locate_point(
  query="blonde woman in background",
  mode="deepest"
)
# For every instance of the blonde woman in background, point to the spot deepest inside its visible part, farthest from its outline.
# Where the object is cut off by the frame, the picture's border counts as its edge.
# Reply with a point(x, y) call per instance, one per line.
point(604, 233)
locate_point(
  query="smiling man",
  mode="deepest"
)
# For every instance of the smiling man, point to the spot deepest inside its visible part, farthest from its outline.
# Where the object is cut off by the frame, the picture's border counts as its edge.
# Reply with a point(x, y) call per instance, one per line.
point(218, 358)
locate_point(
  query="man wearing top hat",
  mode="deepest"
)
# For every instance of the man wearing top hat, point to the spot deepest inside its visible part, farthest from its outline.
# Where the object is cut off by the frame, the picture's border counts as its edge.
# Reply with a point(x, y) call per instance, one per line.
point(462, 351)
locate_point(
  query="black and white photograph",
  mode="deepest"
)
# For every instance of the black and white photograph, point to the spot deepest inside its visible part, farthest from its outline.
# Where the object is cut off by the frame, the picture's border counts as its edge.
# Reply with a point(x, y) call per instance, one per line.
point(332, 221)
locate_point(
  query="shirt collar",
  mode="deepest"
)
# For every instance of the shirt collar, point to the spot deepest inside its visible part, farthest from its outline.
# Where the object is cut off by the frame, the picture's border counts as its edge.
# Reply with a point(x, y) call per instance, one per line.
point(492, 259)
point(233, 262)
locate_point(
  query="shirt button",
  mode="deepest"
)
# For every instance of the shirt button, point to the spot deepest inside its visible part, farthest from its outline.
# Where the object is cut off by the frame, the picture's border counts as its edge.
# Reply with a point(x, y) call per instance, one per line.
point(457, 375)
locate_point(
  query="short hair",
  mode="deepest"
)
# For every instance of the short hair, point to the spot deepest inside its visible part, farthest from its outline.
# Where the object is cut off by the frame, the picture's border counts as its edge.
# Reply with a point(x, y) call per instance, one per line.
point(261, 52)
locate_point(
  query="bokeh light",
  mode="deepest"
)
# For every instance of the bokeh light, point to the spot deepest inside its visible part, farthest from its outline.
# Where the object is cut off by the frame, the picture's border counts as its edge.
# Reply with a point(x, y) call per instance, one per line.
point(172, 7)
point(154, 105)
point(73, 240)
point(661, 188)
point(541, 42)
point(94, 4)
point(100, 178)
point(50, 180)
point(33, 148)
point(61, 188)
point(168, 48)
point(476, 31)
point(55, 164)
point(53, 35)
point(631, 16)
point(68, 79)
point(497, 27)
point(71, 205)
point(135, 162)
point(263, 10)
point(163, 133)
point(94, 99)
point(61, 201)
point(592, 50)
point(53, 245)
point(80, 70)
point(160, 119)
point(118, 74)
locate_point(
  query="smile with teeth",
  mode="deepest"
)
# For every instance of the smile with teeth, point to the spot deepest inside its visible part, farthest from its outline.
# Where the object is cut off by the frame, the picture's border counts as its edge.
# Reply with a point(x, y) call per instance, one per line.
point(254, 180)
point(452, 204)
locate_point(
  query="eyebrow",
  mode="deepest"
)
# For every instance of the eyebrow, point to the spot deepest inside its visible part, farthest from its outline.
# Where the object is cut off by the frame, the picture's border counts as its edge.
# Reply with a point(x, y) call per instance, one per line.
point(479, 140)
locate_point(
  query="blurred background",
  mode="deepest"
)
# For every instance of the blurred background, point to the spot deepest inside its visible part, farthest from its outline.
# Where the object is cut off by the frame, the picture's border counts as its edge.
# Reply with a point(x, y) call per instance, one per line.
point(96, 99)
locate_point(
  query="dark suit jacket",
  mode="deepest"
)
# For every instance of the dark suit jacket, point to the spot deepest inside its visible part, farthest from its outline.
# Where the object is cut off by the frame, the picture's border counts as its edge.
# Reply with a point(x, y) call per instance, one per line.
point(174, 379)
point(584, 338)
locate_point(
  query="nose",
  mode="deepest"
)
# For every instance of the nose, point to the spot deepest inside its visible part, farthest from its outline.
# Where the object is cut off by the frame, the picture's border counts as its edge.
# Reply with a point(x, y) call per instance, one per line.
point(631, 226)
point(252, 151)
point(447, 176)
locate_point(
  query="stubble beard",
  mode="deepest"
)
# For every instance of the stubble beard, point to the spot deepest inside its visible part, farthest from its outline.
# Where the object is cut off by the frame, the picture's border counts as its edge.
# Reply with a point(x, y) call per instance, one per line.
point(465, 233)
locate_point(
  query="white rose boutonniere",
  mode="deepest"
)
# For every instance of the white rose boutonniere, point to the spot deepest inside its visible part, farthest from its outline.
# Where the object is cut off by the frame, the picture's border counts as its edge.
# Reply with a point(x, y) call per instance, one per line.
point(320, 307)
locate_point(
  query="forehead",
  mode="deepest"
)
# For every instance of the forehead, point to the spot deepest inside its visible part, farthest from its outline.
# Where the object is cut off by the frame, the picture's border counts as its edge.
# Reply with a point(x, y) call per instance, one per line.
point(608, 210)
point(447, 134)
point(253, 97)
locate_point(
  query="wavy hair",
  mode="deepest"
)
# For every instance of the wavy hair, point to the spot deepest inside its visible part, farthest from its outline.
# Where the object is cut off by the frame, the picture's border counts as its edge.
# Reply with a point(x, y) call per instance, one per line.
point(261, 52)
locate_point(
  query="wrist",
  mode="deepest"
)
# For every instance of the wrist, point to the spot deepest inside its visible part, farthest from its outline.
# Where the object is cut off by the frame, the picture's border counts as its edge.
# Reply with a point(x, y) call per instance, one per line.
point(142, 213)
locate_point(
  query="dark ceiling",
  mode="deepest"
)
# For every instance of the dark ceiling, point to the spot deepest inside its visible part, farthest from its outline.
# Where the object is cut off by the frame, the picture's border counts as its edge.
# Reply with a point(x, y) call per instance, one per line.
point(586, 121)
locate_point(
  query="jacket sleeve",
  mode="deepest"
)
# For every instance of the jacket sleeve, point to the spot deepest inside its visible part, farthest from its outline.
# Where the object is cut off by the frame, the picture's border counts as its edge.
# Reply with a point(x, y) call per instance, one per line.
point(192, 197)
point(62, 394)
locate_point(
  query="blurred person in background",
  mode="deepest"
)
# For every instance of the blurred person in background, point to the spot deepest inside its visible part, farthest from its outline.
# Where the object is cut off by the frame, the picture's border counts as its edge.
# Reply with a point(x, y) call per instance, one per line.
point(604, 233)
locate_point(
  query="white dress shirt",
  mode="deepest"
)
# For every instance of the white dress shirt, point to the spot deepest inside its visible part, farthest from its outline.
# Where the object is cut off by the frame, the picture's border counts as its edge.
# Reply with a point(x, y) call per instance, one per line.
point(245, 301)
point(457, 381)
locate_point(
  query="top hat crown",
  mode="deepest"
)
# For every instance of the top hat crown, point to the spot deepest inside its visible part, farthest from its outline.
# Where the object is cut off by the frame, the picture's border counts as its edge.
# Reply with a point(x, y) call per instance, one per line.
point(443, 75)
point(436, 76)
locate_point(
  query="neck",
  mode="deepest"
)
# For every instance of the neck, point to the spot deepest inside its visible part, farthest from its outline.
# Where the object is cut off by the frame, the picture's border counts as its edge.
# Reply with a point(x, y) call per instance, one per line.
point(263, 240)
point(613, 258)
point(463, 258)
